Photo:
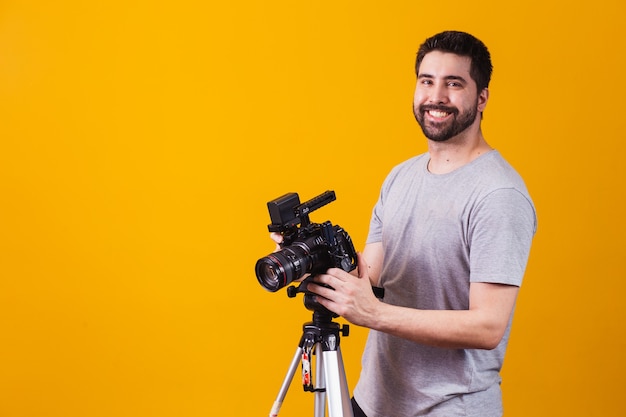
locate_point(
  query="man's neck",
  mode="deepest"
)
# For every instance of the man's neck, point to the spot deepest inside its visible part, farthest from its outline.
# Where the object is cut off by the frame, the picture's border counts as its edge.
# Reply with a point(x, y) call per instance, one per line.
point(452, 154)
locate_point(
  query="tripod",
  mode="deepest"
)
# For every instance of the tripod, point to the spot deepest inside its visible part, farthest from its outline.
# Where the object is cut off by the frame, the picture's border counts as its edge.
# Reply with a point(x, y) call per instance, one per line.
point(321, 337)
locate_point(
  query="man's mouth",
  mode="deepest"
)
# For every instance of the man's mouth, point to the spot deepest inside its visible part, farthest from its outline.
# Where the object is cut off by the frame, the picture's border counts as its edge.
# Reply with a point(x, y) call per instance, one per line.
point(438, 114)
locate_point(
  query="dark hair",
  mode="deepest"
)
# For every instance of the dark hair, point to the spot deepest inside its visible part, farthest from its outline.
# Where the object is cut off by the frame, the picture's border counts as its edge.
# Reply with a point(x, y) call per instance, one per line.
point(463, 44)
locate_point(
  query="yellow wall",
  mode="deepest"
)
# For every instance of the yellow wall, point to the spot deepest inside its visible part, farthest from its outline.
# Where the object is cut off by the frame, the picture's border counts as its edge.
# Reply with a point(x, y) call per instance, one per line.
point(140, 141)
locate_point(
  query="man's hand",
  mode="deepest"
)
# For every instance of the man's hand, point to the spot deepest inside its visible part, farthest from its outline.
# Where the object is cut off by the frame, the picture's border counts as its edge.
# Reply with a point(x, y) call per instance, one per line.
point(278, 239)
point(350, 296)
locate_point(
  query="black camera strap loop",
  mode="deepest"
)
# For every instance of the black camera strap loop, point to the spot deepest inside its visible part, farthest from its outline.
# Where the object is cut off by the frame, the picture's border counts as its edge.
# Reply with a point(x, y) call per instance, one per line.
point(307, 373)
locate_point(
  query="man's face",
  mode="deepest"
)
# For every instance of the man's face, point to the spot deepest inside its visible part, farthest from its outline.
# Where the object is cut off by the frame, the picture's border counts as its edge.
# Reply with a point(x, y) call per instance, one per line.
point(446, 101)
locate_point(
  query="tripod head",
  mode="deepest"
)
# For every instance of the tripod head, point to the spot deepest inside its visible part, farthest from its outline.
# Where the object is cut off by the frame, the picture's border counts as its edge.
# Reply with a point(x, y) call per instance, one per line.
point(320, 313)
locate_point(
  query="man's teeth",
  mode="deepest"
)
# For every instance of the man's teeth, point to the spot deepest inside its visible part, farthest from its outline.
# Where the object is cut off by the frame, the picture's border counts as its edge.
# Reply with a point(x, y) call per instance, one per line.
point(436, 113)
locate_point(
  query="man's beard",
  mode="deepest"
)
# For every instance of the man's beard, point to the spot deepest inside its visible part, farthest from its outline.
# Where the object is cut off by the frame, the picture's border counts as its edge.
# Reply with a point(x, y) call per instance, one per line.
point(440, 132)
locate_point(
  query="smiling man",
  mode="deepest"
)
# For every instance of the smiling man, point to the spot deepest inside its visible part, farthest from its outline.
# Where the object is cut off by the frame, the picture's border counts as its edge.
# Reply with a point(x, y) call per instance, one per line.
point(449, 240)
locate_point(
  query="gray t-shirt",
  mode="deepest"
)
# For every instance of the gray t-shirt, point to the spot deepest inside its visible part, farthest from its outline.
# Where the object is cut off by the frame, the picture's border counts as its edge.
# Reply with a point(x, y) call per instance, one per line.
point(439, 233)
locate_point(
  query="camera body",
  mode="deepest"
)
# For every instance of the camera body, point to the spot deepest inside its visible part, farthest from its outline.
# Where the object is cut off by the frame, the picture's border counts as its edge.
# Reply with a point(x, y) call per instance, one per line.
point(307, 248)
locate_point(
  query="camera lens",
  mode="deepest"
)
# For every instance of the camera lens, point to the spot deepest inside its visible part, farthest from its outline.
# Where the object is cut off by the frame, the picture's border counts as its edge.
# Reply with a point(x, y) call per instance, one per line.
point(271, 274)
point(291, 263)
point(283, 267)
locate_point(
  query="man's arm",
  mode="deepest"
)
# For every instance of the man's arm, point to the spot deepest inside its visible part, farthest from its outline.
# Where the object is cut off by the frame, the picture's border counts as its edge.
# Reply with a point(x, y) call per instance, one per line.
point(373, 257)
point(482, 326)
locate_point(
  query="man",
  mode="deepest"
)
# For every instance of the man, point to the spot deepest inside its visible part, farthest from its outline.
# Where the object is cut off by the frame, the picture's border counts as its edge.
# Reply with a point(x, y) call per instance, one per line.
point(449, 241)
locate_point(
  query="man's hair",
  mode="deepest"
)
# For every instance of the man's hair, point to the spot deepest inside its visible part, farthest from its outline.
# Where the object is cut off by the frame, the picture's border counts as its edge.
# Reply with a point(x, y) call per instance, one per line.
point(462, 44)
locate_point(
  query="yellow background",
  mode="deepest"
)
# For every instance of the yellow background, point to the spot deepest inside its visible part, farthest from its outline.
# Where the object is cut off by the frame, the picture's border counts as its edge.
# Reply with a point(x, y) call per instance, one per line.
point(140, 141)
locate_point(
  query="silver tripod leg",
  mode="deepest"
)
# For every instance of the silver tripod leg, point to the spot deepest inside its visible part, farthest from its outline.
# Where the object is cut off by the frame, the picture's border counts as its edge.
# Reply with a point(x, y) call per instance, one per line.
point(320, 383)
point(286, 382)
point(339, 404)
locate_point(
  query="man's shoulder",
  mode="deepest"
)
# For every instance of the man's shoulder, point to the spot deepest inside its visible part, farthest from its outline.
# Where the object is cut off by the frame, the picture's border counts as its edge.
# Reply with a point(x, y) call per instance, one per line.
point(497, 170)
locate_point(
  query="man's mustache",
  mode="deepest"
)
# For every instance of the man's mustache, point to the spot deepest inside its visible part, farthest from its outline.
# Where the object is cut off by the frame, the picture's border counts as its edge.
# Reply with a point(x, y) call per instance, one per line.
point(428, 107)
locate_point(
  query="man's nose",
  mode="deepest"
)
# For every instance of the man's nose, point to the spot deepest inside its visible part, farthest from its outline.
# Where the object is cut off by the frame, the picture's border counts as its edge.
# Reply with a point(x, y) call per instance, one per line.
point(438, 94)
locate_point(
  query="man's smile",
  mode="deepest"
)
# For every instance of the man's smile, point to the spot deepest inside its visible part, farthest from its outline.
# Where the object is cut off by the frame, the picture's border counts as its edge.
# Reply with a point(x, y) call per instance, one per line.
point(438, 114)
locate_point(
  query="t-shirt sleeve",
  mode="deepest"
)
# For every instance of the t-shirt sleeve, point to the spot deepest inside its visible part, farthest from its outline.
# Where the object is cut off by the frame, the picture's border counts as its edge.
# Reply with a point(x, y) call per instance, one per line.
point(501, 231)
point(376, 226)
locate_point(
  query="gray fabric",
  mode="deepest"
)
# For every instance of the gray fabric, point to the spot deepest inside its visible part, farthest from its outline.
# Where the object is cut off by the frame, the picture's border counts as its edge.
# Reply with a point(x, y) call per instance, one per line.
point(439, 233)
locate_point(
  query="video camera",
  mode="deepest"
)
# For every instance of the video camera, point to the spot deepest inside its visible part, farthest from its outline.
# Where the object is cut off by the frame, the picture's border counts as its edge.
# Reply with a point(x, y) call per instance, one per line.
point(307, 248)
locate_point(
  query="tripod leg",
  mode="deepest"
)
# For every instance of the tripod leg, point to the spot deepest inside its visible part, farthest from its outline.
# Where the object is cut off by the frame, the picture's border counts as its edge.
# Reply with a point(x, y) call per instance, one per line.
point(320, 383)
point(286, 382)
point(339, 404)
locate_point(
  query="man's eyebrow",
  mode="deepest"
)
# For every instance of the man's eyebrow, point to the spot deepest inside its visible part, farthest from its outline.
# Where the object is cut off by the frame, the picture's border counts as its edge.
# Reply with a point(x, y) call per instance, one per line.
point(447, 77)
point(456, 78)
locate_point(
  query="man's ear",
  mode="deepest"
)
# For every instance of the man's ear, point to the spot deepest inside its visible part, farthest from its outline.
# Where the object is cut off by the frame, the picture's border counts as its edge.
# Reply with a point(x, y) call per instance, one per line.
point(483, 97)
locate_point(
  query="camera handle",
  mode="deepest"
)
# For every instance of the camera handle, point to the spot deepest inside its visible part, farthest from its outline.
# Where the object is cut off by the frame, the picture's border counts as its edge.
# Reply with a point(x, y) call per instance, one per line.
point(321, 338)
